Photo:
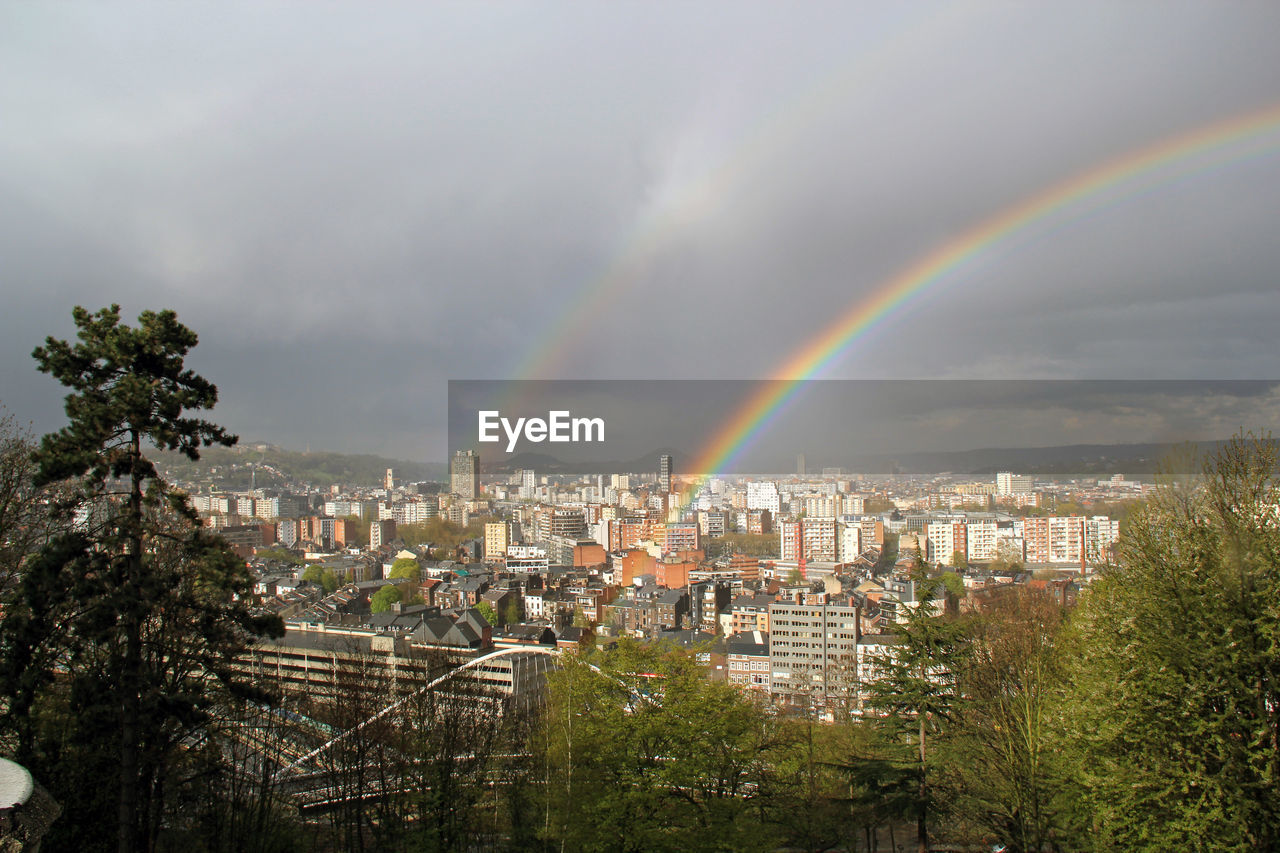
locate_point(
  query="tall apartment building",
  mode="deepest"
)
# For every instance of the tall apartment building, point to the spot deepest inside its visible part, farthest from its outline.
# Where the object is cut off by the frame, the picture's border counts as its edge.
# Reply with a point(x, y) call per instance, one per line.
point(464, 474)
point(414, 512)
point(824, 506)
point(944, 539)
point(848, 540)
point(497, 538)
point(980, 536)
point(674, 537)
point(791, 541)
point(764, 495)
point(1068, 539)
point(664, 473)
point(813, 654)
point(528, 484)
point(712, 523)
point(808, 539)
point(381, 532)
point(819, 535)
point(560, 521)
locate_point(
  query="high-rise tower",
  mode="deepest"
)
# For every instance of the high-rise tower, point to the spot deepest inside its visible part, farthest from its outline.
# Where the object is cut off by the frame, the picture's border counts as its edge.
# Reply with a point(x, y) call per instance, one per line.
point(664, 473)
point(464, 474)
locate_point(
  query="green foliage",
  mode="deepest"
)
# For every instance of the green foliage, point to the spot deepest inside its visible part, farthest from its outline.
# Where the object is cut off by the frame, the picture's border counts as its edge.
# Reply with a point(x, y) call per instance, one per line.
point(1174, 719)
point(916, 696)
point(280, 555)
point(384, 598)
point(511, 613)
point(751, 544)
point(441, 533)
point(648, 755)
point(405, 567)
point(1001, 755)
point(954, 584)
point(323, 576)
point(487, 611)
point(959, 560)
point(877, 505)
point(148, 605)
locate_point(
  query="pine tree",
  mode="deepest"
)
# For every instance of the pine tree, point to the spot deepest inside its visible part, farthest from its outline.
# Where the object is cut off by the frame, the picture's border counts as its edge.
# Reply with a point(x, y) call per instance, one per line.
point(157, 617)
point(915, 692)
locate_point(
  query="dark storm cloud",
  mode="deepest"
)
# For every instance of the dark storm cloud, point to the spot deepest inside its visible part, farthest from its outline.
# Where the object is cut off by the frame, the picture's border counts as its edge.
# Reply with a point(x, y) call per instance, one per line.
point(353, 206)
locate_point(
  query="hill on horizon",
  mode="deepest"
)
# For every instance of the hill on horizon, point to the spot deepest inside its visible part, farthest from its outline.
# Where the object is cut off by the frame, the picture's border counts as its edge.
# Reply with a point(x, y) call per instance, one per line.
point(321, 468)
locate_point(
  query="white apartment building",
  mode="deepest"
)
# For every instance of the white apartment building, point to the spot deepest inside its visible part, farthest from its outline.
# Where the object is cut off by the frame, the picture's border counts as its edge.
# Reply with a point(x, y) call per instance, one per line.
point(527, 558)
point(849, 540)
point(980, 536)
point(414, 512)
point(1008, 483)
point(943, 539)
point(764, 495)
point(813, 653)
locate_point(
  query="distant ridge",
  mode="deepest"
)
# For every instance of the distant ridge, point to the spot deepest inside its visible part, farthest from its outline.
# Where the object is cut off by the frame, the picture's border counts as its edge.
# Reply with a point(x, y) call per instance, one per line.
point(319, 468)
point(544, 463)
point(1062, 460)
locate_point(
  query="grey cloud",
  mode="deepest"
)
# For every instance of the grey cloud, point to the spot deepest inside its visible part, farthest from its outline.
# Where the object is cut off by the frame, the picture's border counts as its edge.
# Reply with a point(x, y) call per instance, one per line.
point(378, 201)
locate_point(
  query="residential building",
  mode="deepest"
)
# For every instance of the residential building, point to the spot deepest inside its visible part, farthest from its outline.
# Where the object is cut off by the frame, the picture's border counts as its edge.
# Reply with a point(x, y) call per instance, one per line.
point(813, 654)
point(464, 474)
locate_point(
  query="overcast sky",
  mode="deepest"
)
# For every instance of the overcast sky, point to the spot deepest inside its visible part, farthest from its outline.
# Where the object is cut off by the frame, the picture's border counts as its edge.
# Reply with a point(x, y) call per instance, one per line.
point(354, 203)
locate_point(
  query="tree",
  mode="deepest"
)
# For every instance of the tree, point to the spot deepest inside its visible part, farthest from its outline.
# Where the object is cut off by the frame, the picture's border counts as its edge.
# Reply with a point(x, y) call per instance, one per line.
point(1008, 557)
point(1002, 748)
point(1174, 719)
point(29, 637)
point(385, 597)
point(486, 610)
point(130, 391)
point(647, 754)
point(511, 613)
point(322, 576)
point(953, 584)
point(405, 567)
point(916, 694)
point(959, 560)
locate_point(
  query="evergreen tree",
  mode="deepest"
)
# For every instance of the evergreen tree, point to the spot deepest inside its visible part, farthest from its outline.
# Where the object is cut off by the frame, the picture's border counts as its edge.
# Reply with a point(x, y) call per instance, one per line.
point(156, 612)
point(915, 693)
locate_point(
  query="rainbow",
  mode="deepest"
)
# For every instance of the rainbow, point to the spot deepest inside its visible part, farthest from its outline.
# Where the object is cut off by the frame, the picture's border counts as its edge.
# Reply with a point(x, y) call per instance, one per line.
point(700, 195)
point(753, 417)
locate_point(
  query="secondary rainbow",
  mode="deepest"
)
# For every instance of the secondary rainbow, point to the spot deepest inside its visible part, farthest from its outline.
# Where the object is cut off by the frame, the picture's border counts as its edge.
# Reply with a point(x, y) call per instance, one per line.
point(701, 195)
point(753, 416)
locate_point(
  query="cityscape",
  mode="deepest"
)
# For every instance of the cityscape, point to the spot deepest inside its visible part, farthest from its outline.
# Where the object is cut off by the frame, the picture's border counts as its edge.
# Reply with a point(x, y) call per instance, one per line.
point(838, 427)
